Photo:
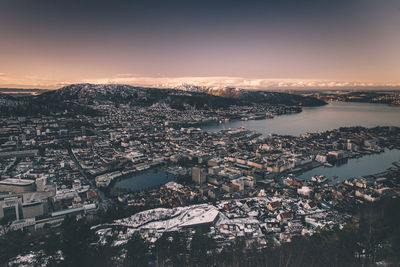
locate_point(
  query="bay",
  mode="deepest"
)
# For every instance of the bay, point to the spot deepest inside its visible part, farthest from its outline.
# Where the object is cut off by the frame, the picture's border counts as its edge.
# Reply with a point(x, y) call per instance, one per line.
point(319, 119)
point(355, 167)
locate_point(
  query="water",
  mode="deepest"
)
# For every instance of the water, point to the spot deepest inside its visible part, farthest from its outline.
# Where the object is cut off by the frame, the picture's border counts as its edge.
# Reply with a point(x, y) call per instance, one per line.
point(144, 180)
point(366, 165)
point(319, 119)
point(315, 119)
point(329, 117)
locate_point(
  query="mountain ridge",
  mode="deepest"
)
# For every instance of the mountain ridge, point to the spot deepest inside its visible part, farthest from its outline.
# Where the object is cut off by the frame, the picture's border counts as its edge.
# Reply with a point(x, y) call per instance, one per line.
point(254, 96)
point(79, 97)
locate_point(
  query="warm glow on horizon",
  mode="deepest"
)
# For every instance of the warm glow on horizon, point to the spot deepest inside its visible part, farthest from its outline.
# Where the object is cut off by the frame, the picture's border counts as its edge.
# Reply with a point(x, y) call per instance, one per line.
point(171, 82)
point(255, 45)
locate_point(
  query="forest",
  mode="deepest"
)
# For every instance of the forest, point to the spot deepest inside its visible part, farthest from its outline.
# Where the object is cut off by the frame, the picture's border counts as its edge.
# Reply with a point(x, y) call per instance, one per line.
point(371, 237)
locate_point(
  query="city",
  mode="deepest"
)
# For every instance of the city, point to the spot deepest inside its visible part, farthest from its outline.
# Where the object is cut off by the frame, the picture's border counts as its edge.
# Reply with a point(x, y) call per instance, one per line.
point(238, 183)
point(199, 133)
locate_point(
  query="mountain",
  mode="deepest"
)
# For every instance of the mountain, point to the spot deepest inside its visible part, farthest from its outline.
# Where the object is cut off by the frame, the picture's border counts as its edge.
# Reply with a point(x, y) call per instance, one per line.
point(9, 104)
point(79, 98)
point(33, 105)
point(252, 96)
point(136, 96)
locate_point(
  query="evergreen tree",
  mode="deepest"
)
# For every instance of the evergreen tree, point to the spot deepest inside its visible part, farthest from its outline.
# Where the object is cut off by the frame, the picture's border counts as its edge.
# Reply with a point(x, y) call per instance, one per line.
point(136, 252)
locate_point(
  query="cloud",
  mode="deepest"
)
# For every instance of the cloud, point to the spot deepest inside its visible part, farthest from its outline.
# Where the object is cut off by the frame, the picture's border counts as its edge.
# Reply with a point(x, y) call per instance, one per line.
point(245, 83)
point(30, 81)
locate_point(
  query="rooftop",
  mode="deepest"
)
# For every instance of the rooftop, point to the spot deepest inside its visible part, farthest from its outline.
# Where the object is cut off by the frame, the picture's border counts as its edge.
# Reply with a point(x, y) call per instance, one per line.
point(14, 181)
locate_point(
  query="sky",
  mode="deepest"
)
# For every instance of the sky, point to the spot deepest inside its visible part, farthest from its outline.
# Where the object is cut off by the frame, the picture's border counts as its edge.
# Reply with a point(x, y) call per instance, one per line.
point(248, 44)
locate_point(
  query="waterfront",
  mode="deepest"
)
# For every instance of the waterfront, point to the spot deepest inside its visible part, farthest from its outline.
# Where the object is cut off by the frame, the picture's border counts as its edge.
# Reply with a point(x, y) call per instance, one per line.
point(355, 167)
point(144, 180)
point(319, 119)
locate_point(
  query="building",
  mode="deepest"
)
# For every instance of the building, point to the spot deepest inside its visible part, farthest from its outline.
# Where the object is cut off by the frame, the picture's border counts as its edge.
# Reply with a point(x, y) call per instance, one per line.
point(198, 175)
point(10, 208)
point(105, 179)
point(285, 216)
point(23, 224)
point(31, 210)
point(334, 156)
point(240, 183)
point(305, 191)
point(17, 185)
point(321, 158)
point(19, 154)
point(272, 206)
point(41, 183)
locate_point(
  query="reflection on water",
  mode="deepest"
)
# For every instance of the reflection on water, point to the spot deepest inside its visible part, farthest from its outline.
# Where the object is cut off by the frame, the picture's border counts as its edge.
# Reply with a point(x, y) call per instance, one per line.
point(329, 117)
point(315, 119)
point(144, 180)
point(366, 165)
point(319, 119)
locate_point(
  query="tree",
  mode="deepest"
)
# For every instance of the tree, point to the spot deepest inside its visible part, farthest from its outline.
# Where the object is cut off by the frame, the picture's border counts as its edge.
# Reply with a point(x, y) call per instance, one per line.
point(200, 246)
point(76, 239)
point(136, 251)
point(173, 247)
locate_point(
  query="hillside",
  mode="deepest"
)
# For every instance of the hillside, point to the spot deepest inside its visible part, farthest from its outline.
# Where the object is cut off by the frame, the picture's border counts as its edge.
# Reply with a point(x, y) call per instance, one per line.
point(390, 98)
point(78, 98)
point(135, 96)
point(259, 96)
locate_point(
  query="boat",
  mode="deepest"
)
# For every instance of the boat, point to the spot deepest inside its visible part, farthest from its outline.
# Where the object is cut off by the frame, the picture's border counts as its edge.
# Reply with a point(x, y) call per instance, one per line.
point(319, 178)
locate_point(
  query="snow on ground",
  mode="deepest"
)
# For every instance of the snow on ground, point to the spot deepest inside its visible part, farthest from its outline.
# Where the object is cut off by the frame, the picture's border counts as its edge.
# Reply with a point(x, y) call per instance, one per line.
point(171, 219)
point(31, 259)
point(174, 186)
point(240, 217)
point(157, 221)
point(23, 260)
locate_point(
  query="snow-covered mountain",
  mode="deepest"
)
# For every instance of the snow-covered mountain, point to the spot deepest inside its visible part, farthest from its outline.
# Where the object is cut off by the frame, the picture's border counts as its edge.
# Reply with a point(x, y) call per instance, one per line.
point(253, 96)
point(140, 96)
point(81, 97)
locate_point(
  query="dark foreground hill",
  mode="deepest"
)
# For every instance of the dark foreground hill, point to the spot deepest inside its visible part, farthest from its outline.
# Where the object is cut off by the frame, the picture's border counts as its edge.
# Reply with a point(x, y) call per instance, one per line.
point(372, 238)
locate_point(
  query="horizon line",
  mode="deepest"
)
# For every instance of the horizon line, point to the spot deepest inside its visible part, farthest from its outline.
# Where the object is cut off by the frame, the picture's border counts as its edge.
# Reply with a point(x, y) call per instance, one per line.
point(30, 82)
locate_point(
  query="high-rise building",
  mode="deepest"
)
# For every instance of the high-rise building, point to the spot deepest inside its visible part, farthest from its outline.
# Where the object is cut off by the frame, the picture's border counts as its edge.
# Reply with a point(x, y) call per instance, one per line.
point(198, 175)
